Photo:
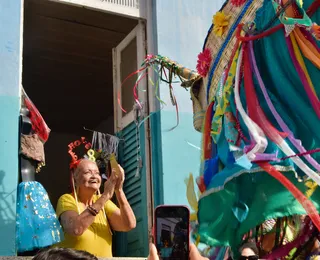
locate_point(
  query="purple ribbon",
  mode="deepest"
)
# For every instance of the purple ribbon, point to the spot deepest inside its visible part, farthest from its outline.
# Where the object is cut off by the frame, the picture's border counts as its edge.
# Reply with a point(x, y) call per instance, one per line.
point(282, 124)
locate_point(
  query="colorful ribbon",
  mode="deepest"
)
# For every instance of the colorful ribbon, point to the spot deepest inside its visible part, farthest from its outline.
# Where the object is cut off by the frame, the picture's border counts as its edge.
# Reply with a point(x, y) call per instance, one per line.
point(280, 121)
point(302, 199)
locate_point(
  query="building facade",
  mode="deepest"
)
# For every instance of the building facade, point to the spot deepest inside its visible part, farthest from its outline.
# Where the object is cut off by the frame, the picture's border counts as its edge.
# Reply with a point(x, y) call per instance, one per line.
point(53, 34)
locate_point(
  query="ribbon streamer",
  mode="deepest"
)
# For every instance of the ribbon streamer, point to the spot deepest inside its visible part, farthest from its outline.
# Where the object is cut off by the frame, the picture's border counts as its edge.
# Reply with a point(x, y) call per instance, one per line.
point(256, 132)
point(305, 203)
point(280, 121)
point(270, 131)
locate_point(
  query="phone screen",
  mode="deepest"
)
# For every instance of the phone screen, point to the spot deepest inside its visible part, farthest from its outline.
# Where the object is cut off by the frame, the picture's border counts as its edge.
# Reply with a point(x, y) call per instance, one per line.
point(172, 232)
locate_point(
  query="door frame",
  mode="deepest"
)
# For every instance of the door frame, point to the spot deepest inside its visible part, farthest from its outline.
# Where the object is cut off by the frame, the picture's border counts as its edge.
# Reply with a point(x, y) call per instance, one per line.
point(121, 122)
point(138, 32)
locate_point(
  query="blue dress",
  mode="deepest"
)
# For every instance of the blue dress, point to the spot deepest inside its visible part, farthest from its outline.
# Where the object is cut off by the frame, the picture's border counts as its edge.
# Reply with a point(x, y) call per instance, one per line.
point(37, 223)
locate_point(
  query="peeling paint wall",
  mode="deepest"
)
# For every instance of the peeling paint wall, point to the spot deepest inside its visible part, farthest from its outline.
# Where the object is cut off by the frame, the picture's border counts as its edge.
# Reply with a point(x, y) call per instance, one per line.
point(10, 78)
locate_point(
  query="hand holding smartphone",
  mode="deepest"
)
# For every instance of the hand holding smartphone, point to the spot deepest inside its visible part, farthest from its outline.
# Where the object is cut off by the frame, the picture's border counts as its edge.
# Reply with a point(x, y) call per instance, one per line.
point(171, 232)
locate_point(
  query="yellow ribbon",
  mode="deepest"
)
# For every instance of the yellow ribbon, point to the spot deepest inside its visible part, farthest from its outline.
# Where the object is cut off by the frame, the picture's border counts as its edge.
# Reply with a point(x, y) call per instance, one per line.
point(223, 103)
point(312, 188)
point(301, 61)
point(192, 197)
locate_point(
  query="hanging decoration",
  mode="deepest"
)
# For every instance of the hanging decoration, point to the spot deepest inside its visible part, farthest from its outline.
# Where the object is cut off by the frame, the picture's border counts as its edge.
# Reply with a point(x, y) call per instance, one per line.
point(39, 126)
point(166, 70)
point(259, 173)
point(37, 225)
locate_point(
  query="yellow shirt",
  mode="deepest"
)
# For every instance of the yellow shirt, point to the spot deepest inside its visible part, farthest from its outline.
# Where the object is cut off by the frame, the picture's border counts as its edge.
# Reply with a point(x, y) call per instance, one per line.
point(97, 239)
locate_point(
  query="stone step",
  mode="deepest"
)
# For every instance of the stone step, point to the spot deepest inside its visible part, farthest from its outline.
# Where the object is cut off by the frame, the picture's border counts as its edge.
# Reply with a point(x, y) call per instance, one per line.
point(30, 258)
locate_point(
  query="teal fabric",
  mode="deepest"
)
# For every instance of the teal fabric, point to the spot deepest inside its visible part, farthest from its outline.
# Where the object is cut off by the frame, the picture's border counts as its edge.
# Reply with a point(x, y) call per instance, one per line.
point(237, 200)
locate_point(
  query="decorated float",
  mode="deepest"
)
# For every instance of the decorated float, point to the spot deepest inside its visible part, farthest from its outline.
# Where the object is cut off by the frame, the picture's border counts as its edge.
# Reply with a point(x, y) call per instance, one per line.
point(255, 99)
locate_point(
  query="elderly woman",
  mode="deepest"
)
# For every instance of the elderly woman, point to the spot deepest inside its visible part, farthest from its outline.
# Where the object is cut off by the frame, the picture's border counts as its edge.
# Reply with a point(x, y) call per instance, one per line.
point(89, 218)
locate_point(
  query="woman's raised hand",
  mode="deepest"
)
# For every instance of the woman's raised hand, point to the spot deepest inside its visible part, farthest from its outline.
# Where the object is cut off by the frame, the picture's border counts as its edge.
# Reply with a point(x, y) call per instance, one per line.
point(121, 178)
point(110, 184)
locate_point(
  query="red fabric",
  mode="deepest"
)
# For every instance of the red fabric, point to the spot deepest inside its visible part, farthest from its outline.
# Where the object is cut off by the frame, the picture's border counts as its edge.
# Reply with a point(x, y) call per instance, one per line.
point(207, 140)
point(313, 7)
point(302, 199)
point(39, 126)
point(238, 2)
point(255, 111)
point(259, 36)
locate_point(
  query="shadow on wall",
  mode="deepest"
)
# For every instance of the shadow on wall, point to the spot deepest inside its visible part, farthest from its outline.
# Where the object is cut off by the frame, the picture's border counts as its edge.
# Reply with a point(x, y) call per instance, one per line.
point(7, 215)
point(55, 176)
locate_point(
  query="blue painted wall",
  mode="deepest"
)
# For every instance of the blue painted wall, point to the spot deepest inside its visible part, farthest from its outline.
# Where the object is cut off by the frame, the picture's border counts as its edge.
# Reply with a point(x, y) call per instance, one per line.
point(182, 26)
point(9, 112)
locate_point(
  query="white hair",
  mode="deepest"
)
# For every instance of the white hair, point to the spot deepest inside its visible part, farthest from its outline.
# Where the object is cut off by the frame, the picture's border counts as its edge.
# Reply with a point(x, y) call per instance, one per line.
point(77, 169)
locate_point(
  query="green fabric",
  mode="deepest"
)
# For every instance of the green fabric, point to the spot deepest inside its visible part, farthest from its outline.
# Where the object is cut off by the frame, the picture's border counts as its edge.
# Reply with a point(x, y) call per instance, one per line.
point(256, 197)
point(265, 197)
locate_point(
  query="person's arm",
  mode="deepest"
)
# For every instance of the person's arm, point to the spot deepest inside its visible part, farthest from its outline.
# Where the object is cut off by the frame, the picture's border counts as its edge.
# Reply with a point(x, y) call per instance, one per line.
point(122, 219)
point(75, 224)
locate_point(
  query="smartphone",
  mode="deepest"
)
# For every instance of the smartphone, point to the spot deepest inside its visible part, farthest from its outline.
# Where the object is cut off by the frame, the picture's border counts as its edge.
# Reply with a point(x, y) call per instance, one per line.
point(171, 232)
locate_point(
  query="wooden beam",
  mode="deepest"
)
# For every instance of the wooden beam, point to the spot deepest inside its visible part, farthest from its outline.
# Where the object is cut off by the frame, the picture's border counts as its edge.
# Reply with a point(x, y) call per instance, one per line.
point(83, 16)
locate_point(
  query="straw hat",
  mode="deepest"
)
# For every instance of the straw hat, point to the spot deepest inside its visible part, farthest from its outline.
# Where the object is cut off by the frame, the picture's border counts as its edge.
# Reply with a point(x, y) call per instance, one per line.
point(222, 46)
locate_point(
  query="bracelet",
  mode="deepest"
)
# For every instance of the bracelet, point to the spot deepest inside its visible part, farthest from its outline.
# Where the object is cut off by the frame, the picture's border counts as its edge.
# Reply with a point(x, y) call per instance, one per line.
point(93, 211)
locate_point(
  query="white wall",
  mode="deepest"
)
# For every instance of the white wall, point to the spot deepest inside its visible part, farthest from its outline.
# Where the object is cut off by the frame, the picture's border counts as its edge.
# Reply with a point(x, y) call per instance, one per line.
point(168, 222)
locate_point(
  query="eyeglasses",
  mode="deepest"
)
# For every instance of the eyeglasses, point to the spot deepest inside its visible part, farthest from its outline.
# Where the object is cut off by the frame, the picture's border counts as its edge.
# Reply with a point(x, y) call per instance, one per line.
point(252, 257)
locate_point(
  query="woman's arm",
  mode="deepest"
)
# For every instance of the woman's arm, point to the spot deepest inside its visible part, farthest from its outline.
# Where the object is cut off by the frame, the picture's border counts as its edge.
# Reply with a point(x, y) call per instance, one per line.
point(124, 219)
point(75, 224)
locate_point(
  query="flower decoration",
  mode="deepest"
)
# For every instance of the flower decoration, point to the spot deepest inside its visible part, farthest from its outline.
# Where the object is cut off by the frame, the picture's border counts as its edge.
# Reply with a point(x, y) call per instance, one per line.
point(237, 3)
point(220, 22)
point(204, 61)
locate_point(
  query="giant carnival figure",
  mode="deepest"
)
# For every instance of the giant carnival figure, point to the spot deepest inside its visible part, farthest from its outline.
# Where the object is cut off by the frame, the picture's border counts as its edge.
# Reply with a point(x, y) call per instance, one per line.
point(255, 98)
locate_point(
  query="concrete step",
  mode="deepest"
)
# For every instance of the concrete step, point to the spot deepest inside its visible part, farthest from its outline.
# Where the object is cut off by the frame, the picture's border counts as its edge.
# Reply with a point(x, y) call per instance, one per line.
point(30, 258)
